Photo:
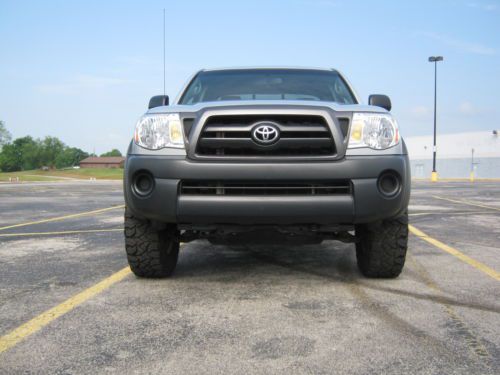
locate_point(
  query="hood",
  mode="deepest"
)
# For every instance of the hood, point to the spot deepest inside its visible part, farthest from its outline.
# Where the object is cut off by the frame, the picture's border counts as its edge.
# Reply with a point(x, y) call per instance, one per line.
point(270, 103)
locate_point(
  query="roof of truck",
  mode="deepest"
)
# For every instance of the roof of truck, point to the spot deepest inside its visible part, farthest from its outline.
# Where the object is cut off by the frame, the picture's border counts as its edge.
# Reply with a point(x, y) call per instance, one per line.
point(268, 68)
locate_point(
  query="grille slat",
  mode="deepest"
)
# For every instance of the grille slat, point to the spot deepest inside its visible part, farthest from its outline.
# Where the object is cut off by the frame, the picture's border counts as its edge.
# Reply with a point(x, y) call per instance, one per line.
point(230, 135)
point(265, 188)
point(228, 143)
point(248, 128)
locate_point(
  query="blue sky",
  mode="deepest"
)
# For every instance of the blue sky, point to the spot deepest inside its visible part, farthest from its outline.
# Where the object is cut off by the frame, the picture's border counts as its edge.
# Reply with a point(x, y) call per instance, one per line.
point(84, 70)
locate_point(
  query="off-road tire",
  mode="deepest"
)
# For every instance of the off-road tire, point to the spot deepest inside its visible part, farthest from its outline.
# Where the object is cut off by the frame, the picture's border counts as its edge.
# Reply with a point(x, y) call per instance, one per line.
point(151, 252)
point(381, 247)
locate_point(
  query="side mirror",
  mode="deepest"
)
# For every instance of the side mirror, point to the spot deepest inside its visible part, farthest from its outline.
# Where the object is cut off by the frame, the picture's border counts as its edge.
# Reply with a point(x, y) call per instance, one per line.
point(380, 101)
point(158, 101)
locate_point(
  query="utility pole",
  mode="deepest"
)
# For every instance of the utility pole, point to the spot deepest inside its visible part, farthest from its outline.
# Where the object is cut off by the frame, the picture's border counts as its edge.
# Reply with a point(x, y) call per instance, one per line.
point(435, 59)
point(164, 70)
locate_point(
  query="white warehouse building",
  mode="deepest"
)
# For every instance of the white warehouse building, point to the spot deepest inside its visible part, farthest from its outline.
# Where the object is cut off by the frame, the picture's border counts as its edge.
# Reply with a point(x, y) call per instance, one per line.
point(457, 155)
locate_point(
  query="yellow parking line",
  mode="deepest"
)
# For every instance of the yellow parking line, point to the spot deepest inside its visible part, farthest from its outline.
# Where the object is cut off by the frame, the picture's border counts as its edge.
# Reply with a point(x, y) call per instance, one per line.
point(470, 203)
point(451, 213)
point(464, 258)
point(60, 233)
point(37, 323)
point(63, 217)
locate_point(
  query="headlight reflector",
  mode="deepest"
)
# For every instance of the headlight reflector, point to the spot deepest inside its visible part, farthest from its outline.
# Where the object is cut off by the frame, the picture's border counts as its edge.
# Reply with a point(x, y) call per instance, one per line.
point(374, 130)
point(155, 132)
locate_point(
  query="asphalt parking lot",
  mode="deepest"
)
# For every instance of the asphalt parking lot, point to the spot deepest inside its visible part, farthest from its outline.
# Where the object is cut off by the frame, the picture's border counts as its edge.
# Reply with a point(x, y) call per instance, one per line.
point(68, 304)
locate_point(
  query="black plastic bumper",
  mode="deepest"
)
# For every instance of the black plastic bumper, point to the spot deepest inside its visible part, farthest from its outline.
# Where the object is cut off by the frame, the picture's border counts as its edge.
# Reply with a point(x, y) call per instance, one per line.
point(365, 204)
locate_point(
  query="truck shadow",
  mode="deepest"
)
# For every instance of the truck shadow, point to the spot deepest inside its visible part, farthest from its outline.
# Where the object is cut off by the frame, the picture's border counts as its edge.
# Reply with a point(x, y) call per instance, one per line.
point(331, 261)
point(201, 259)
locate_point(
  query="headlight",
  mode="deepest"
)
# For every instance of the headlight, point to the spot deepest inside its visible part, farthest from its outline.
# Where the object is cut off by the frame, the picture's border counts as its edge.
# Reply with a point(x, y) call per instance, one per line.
point(377, 131)
point(159, 131)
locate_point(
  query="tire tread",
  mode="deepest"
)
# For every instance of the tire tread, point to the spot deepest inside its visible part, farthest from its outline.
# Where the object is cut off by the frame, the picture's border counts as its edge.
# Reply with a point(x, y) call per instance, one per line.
point(381, 248)
point(151, 253)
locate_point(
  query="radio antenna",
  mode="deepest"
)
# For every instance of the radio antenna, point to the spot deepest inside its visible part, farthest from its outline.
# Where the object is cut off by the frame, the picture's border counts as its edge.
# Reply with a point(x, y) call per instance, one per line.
point(164, 91)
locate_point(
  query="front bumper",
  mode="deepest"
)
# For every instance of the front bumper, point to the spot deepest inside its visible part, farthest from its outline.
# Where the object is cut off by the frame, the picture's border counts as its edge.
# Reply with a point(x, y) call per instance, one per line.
point(365, 204)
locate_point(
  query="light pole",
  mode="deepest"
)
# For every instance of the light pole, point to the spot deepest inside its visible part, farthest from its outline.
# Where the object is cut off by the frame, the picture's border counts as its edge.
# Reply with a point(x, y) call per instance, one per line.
point(435, 60)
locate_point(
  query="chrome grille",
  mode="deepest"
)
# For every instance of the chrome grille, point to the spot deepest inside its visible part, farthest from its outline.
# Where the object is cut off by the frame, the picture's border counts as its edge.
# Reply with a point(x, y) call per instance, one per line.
point(230, 135)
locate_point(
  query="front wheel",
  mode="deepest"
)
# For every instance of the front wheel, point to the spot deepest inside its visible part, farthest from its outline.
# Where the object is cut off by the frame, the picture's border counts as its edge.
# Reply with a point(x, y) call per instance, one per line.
point(150, 252)
point(381, 247)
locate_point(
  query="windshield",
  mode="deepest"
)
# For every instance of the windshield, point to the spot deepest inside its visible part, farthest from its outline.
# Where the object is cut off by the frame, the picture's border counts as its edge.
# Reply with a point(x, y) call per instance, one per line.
point(268, 84)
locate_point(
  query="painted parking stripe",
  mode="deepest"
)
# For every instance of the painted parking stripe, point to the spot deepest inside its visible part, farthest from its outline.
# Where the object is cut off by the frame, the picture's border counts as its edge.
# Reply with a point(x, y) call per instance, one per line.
point(37, 323)
point(464, 258)
point(63, 217)
point(452, 213)
point(470, 203)
point(65, 232)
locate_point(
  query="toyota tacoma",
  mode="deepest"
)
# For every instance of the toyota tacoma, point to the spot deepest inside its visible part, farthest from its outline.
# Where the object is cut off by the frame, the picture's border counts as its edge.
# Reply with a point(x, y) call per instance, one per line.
point(267, 155)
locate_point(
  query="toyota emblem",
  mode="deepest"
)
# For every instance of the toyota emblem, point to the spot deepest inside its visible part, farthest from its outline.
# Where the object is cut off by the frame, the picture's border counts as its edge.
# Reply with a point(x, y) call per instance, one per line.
point(265, 133)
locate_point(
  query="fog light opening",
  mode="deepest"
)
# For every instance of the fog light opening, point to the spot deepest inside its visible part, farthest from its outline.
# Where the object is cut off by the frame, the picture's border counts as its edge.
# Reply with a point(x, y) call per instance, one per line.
point(143, 184)
point(389, 184)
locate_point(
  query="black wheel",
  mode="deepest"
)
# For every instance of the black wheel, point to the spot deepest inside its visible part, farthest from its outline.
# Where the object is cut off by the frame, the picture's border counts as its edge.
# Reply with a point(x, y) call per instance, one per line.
point(381, 247)
point(150, 252)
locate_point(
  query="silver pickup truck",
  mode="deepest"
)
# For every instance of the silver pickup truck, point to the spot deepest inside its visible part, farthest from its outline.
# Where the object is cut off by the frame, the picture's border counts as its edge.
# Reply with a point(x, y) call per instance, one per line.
point(267, 155)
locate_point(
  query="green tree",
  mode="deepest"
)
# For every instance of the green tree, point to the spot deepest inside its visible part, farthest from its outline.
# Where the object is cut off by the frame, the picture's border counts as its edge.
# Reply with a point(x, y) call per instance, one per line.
point(5, 136)
point(113, 152)
point(9, 161)
point(50, 149)
point(22, 154)
point(69, 157)
point(27, 153)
